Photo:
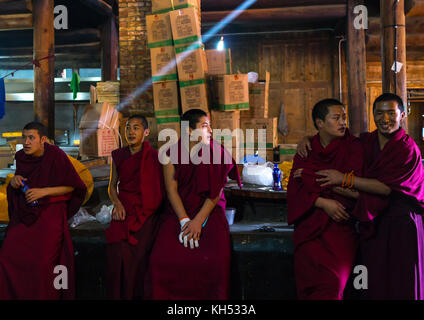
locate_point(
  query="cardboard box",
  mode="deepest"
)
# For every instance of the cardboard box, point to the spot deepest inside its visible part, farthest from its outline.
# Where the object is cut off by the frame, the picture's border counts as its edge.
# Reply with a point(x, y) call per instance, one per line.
point(191, 62)
point(162, 6)
point(185, 25)
point(168, 123)
point(268, 140)
point(287, 152)
point(165, 97)
point(258, 99)
point(100, 116)
point(227, 122)
point(98, 143)
point(194, 95)
point(163, 64)
point(231, 92)
point(159, 32)
point(219, 61)
point(180, 4)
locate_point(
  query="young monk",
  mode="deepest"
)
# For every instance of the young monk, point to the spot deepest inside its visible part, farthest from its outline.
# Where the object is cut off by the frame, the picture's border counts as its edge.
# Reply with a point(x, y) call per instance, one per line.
point(390, 206)
point(324, 234)
point(136, 190)
point(191, 255)
point(37, 238)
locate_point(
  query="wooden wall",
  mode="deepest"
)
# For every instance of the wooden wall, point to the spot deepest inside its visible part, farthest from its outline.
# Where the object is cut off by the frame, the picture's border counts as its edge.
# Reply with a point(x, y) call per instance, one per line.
point(301, 68)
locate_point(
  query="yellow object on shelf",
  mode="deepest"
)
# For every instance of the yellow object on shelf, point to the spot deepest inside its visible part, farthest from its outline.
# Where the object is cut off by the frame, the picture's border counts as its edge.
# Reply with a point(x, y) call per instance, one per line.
point(285, 168)
point(4, 214)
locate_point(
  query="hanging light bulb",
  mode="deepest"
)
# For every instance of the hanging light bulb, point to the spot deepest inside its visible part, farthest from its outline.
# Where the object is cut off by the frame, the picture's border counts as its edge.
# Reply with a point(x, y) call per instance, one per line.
point(221, 45)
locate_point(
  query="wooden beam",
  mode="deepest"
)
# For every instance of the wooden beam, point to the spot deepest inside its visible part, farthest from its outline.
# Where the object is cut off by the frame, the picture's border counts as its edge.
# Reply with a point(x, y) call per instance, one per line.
point(16, 21)
point(356, 70)
point(62, 61)
point(414, 8)
point(99, 6)
point(110, 49)
point(412, 40)
point(413, 25)
point(393, 82)
point(288, 13)
point(76, 49)
point(217, 5)
point(15, 7)
point(44, 110)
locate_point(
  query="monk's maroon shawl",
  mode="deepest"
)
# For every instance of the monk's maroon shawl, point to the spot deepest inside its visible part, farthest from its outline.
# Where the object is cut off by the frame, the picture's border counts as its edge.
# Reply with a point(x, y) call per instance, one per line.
point(176, 272)
point(37, 238)
point(398, 165)
point(141, 196)
point(343, 154)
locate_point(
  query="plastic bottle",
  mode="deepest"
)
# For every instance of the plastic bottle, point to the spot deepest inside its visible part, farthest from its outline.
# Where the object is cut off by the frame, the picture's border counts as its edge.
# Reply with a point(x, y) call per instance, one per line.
point(277, 178)
point(24, 189)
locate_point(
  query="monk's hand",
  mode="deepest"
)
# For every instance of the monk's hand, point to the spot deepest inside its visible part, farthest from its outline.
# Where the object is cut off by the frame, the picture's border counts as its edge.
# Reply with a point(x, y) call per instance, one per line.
point(118, 212)
point(16, 182)
point(345, 192)
point(189, 233)
point(330, 177)
point(298, 173)
point(303, 146)
point(34, 194)
point(335, 210)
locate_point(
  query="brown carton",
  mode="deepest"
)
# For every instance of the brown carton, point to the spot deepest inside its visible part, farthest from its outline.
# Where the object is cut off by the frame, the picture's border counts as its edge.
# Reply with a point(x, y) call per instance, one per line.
point(161, 6)
point(185, 25)
point(159, 32)
point(194, 95)
point(98, 143)
point(219, 61)
point(168, 123)
point(163, 64)
point(258, 99)
point(99, 116)
point(269, 140)
point(231, 92)
point(191, 62)
point(165, 97)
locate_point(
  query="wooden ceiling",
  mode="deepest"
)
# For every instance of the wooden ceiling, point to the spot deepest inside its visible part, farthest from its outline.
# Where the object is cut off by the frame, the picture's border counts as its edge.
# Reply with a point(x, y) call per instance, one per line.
point(80, 46)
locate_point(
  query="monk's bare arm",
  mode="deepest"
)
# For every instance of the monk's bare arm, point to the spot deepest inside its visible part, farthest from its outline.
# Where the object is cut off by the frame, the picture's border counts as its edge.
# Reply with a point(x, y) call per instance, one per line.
point(371, 186)
point(38, 193)
point(118, 212)
point(171, 186)
point(207, 208)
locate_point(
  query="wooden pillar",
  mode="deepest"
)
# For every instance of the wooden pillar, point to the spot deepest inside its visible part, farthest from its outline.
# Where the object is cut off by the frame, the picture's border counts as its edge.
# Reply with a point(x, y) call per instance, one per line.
point(389, 13)
point(356, 72)
point(110, 48)
point(43, 24)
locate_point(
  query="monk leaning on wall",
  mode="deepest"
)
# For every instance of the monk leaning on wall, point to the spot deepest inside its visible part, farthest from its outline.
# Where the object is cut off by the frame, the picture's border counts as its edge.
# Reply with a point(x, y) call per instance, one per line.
point(37, 238)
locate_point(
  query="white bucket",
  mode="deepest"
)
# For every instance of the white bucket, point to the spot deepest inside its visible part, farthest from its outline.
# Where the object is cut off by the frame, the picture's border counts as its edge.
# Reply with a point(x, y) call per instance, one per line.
point(229, 214)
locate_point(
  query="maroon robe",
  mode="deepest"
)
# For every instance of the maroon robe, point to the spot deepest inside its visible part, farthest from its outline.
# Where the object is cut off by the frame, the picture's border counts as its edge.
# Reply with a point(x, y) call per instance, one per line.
point(180, 273)
point(392, 235)
point(324, 249)
point(37, 238)
point(141, 191)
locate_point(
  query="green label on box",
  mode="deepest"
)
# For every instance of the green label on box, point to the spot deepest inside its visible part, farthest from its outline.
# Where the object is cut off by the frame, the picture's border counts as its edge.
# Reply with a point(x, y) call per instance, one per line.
point(162, 11)
point(191, 83)
point(165, 77)
point(164, 43)
point(167, 112)
point(193, 46)
point(267, 145)
point(167, 120)
point(185, 5)
point(235, 106)
point(187, 40)
point(287, 151)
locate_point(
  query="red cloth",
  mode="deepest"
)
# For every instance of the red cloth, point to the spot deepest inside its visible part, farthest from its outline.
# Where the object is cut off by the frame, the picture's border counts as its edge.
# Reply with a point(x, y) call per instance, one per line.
point(141, 191)
point(333, 244)
point(398, 165)
point(37, 238)
point(179, 273)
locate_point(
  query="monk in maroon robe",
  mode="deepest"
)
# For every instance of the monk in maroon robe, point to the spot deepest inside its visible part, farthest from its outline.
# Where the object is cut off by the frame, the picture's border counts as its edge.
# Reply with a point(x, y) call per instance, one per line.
point(191, 257)
point(136, 189)
point(325, 240)
point(390, 207)
point(37, 238)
